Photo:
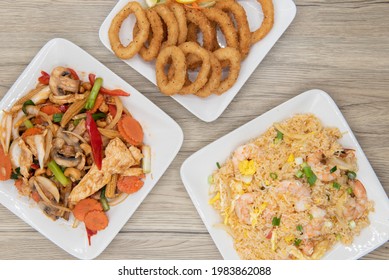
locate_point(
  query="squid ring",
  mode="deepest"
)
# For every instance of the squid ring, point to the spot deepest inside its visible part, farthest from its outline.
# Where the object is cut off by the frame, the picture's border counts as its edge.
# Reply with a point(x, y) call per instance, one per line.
point(144, 27)
point(177, 58)
point(171, 23)
point(232, 56)
point(242, 25)
point(155, 39)
point(214, 78)
point(267, 23)
point(202, 77)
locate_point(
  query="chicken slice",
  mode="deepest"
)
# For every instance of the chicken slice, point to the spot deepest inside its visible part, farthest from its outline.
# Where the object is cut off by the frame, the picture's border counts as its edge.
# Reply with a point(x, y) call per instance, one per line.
point(117, 160)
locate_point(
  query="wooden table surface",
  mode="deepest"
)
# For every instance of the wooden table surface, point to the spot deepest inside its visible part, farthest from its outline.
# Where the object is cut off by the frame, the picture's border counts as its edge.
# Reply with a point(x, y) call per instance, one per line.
point(341, 47)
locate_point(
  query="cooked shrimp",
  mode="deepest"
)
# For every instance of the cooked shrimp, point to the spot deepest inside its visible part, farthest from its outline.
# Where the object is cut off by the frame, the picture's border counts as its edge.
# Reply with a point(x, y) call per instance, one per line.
point(243, 160)
point(319, 166)
point(314, 227)
point(297, 192)
point(243, 207)
point(356, 206)
point(245, 152)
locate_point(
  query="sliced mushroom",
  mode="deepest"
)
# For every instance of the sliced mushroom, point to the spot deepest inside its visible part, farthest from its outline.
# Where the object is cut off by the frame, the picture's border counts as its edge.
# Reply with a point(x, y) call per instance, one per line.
point(61, 83)
point(64, 160)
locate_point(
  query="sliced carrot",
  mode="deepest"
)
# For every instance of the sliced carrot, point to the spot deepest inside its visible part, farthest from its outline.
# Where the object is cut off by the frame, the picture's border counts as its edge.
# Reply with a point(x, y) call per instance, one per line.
point(5, 165)
point(51, 110)
point(129, 184)
point(38, 120)
point(84, 206)
point(96, 220)
point(35, 196)
point(18, 184)
point(32, 131)
point(131, 130)
point(98, 102)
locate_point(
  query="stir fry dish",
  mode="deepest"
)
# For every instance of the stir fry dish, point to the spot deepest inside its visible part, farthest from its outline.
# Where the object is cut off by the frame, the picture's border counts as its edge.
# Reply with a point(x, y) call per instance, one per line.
point(72, 147)
point(291, 193)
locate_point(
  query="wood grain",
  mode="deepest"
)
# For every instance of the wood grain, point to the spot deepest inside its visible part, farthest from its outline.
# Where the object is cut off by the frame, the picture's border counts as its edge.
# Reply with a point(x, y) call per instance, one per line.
point(337, 46)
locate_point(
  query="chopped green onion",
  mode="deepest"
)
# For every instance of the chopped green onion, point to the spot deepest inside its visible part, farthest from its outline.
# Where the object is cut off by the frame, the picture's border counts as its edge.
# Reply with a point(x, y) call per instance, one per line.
point(25, 104)
point(338, 236)
point(279, 137)
point(58, 173)
point(299, 174)
point(311, 177)
point(218, 165)
point(93, 94)
point(15, 175)
point(333, 169)
point(210, 179)
point(299, 228)
point(312, 180)
point(98, 116)
point(349, 190)
point(76, 122)
point(276, 221)
point(351, 175)
point(57, 117)
point(273, 175)
point(310, 216)
point(28, 124)
point(297, 242)
point(103, 200)
point(336, 185)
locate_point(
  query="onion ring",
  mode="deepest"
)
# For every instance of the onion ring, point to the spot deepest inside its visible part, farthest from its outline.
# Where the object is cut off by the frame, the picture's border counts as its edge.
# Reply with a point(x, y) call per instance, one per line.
point(233, 57)
point(267, 23)
point(179, 12)
point(169, 19)
point(202, 77)
point(177, 58)
point(214, 77)
point(134, 47)
point(242, 25)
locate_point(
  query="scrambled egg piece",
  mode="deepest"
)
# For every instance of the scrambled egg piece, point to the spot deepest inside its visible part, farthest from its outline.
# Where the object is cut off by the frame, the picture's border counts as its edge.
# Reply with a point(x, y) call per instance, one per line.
point(247, 167)
point(117, 160)
point(214, 199)
point(291, 158)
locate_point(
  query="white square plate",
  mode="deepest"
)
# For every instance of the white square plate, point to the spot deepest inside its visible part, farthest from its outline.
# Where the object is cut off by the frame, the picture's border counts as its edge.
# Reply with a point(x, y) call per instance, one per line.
point(209, 109)
point(196, 169)
point(161, 132)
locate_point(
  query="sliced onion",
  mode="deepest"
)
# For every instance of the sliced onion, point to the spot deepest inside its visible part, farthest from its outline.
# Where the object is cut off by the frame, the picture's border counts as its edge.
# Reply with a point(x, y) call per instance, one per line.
point(119, 111)
point(39, 140)
point(49, 139)
point(76, 135)
point(118, 200)
point(146, 161)
point(49, 186)
point(15, 129)
point(6, 130)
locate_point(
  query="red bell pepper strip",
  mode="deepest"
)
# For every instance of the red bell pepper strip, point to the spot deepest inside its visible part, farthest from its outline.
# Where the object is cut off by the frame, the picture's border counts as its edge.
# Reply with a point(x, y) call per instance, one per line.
point(44, 79)
point(95, 138)
point(73, 74)
point(103, 90)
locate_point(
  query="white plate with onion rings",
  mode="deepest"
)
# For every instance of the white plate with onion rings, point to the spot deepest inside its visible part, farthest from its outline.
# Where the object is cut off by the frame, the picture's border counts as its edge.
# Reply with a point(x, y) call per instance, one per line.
point(161, 132)
point(196, 169)
point(210, 108)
